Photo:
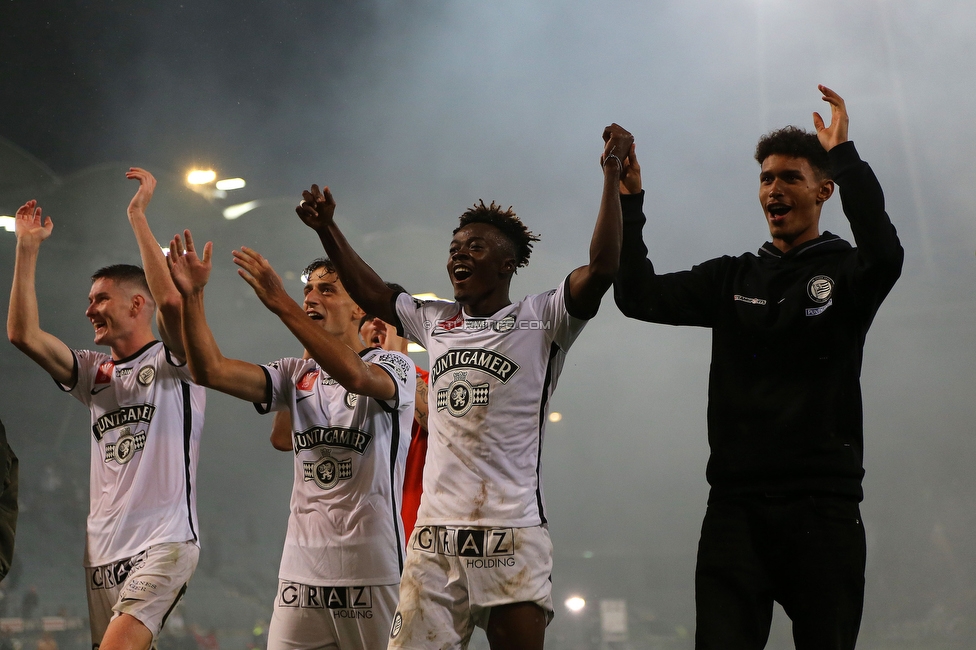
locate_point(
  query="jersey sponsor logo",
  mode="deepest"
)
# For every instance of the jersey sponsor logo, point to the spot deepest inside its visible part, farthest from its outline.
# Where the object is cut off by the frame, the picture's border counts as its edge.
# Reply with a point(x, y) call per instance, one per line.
point(465, 542)
point(346, 438)
point(146, 375)
point(820, 289)
point(327, 471)
point(400, 366)
point(307, 382)
point(460, 395)
point(123, 372)
point(293, 594)
point(487, 361)
point(397, 625)
point(103, 378)
point(816, 311)
point(123, 450)
point(747, 299)
point(452, 323)
point(123, 416)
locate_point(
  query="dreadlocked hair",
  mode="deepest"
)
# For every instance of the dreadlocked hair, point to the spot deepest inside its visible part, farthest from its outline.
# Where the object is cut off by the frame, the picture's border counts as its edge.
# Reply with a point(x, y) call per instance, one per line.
point(507, 223)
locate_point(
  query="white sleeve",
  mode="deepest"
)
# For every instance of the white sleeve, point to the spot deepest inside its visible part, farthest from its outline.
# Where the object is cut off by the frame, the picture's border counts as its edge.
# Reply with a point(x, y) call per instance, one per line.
point(551, 306)
point(280, 375)
point(89, 365)
point(403, 372)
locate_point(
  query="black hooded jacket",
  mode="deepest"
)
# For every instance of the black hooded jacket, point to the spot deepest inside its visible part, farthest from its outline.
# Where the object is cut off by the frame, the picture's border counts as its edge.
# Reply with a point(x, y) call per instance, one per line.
point(784, 395)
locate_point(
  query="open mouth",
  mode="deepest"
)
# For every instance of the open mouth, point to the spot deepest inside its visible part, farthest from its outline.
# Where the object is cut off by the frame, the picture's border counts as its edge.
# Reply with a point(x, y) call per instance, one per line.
point(314, 315)
point(778, 209)
point(462, 273)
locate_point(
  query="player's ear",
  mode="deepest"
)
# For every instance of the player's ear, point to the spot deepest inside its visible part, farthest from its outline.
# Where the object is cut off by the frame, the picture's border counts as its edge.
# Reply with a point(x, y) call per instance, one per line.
point(137, 302)
point(826, 190)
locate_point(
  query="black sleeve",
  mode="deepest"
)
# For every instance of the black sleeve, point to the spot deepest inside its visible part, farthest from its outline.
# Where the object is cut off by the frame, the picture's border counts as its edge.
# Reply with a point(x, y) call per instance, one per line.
point(683, 298)
point(879, 252)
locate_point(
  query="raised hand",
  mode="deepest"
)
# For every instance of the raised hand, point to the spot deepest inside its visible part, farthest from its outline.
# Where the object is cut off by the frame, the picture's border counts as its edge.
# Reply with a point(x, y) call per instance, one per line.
point(29, 227)
point(190, 273)
point(147, 185)
point(630, 178)
point(619, 143)
point(258, 273)
point(317, 207)
point(836, 133)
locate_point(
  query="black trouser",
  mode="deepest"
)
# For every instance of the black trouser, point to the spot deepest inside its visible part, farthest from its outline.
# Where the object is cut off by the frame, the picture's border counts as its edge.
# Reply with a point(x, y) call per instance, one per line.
point(806, 553)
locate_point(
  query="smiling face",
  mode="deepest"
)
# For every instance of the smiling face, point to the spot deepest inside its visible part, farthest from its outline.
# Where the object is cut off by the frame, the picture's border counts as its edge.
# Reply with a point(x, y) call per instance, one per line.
point(480, 263)
point(792, 194)
point(112, 311)
point(326, 301)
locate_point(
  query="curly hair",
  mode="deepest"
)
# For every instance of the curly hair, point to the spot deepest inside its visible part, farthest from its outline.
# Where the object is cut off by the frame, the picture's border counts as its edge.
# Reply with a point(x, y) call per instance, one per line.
point(794, 141)
point(507, 223)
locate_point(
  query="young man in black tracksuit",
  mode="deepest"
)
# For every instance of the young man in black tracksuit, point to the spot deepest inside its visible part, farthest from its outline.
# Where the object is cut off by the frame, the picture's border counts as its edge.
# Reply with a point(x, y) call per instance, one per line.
point(784, 399)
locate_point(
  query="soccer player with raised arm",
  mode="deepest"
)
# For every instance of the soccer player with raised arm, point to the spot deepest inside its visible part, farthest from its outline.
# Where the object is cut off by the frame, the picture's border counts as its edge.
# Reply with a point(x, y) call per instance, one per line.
point(351, 408)
point(480, 554)
point(146, 419)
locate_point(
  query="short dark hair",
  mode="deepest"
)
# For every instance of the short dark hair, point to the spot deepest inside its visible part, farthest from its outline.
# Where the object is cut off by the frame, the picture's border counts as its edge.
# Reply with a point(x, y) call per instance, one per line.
point(318, 263)
point(794, 141)
point(124, 274)
point(507, 223)
point(397, 290)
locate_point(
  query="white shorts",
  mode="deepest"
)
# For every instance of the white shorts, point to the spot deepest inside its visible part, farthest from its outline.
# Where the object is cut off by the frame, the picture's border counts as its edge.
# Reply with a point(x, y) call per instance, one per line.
point(147, 586)
point(454, 576)
point(341, 618)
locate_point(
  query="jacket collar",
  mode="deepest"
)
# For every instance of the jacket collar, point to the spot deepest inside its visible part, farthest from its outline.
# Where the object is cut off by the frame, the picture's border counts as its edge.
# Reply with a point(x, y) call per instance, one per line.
point(825, 243)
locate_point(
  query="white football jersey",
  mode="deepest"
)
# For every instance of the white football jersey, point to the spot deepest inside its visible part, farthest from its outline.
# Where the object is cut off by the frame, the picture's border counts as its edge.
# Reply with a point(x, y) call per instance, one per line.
point(345, 527)
point(490, 384)
point(146, 416)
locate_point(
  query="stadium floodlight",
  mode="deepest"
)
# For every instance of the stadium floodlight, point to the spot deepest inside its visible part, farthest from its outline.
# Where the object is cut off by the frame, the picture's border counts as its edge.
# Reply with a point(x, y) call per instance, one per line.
point(555, 416)
point(8, 223)
point(575, 604)
point(234, 211)
point(201, 176)
point(230, 184)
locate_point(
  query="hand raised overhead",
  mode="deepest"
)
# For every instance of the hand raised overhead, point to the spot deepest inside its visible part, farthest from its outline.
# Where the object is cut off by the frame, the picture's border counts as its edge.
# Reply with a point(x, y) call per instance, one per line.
point(258, 272)
point(317, 207)
point(190, 272)
point(836, 133)
point(147, 185)
point(29, 227)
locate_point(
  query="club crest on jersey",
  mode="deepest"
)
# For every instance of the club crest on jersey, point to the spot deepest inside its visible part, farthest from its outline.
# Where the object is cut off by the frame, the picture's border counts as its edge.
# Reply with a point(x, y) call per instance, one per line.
point(820, 289)
point(460, 395)
point(487, 361)
point(146, 375)
point(327, 471)
point(123, 449)
point(400, 366)
point(103, 378)
point(350, 399)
